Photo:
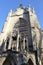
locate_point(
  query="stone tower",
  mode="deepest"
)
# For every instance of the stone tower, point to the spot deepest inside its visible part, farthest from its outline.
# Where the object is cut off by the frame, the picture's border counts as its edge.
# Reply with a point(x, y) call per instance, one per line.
point(21, 38)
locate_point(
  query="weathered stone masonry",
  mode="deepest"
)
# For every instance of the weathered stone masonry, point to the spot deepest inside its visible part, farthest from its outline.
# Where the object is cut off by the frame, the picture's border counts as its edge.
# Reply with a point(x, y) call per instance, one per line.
point(21, 40)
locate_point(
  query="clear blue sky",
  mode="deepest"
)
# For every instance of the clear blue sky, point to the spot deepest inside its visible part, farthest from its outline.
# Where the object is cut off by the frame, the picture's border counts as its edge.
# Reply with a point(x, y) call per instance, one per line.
point(6, 5)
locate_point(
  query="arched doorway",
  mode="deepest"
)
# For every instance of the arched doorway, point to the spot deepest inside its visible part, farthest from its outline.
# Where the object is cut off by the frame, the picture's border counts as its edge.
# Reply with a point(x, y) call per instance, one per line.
point(9, 61)
point(30, 62)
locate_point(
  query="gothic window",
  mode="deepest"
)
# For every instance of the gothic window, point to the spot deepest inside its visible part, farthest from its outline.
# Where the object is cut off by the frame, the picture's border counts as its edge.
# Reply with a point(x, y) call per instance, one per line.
point(20, 44)
point(7, 42)
point(14, 34)
point(25, 44)
point(14, 38)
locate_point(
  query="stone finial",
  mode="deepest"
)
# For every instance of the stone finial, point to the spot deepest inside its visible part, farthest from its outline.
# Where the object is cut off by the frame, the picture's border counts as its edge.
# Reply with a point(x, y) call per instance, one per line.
point(11, 10)
point(33, 10)
point(29, 8)
point(21, 6)
point(10, 13)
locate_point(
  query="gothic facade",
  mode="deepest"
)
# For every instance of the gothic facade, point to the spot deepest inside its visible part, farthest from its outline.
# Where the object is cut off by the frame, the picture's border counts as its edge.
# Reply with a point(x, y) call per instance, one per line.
point(21, 39)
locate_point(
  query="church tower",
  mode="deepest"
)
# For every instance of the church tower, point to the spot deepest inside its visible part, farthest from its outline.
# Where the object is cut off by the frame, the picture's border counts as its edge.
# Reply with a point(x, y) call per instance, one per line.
point(20, 38)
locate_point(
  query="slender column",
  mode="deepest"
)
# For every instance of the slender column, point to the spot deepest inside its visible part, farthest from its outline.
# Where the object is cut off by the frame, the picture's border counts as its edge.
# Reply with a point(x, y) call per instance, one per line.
point(24, 44)
point(5, 45)
point(17, 42)
point(10, 43)
point(27, 43)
